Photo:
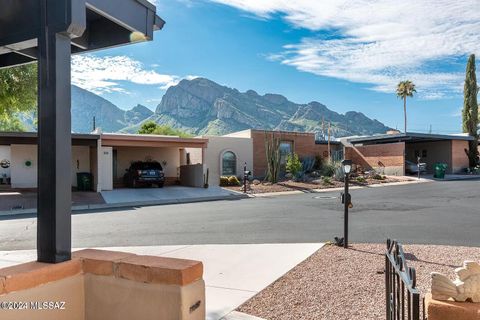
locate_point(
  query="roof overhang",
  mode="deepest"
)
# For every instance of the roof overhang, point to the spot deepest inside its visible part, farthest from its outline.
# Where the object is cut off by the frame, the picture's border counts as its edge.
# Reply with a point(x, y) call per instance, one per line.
point(9, 138)
point(407, 138)
point(153, 141)
point(90, 24)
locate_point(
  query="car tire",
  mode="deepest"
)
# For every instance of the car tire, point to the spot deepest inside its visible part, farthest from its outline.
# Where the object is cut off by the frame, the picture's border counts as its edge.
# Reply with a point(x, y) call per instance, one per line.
point(160, 185)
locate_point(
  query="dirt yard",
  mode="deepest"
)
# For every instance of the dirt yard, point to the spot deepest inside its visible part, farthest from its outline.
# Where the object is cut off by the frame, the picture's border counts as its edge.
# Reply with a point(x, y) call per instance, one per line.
point(290, 185)
point(348, 284)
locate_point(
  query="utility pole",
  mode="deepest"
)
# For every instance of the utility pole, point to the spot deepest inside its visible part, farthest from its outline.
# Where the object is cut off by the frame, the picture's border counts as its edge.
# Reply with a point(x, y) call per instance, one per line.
point(329, 150)
point(323, 128)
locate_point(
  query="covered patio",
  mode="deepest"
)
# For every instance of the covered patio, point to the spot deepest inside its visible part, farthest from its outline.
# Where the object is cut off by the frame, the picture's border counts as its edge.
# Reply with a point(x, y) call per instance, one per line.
point(93, 284)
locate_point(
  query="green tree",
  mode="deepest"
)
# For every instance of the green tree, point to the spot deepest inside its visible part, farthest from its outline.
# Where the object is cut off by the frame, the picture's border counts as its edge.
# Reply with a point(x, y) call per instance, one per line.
point(293, 165)
point(150, 127)
point(470, 111)
point(405, 89)
point(18, 94)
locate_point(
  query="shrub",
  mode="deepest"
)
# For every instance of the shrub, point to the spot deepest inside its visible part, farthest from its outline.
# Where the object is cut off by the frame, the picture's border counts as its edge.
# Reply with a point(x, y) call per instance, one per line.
point(233, 181)
point(378, 177)
point(318, 163)
point(361, 180)
point(293, 165)
point(308, 164)
point(327, 169)
point(228, 181)
point(223, 181)
point(327, 181)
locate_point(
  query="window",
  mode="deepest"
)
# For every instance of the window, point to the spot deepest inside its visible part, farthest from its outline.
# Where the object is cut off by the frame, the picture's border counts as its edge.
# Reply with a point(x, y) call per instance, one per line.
point(286, 148)
point(229, 164)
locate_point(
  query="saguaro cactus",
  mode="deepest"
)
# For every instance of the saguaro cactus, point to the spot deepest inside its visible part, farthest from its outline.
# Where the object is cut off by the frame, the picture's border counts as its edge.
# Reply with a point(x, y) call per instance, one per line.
point(272, 149)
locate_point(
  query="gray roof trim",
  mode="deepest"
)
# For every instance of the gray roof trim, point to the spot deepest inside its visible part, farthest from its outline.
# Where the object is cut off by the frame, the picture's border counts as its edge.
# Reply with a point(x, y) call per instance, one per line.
point(409, 136)
point(83, 136)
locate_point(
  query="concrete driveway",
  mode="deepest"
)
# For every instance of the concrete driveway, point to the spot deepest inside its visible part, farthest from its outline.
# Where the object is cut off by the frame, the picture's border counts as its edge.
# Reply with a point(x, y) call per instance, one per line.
point(167, 195)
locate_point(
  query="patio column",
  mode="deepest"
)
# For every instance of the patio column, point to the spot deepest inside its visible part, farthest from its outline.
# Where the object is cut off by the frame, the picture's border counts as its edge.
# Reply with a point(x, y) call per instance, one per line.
point(54, 144)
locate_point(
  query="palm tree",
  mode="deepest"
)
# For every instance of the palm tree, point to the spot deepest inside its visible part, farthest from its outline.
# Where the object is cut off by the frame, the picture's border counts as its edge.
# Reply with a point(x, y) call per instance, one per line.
point(405, 89)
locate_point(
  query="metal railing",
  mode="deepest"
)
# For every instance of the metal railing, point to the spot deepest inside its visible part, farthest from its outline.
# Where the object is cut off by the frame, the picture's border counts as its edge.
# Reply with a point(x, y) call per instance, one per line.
point(402, 295)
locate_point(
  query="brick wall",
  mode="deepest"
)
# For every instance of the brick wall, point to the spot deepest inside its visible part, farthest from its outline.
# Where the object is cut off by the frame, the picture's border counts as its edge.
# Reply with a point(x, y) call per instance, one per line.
point(459, 157)
point(303, 145)
point(384, 158)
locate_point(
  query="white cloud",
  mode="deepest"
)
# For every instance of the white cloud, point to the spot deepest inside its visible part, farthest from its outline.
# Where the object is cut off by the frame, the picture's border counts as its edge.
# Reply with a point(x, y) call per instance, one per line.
point(103, 75)
point(380, 41)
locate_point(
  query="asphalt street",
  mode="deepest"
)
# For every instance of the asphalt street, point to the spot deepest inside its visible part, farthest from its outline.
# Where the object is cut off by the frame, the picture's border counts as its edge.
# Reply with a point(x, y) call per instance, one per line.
point(435, 212)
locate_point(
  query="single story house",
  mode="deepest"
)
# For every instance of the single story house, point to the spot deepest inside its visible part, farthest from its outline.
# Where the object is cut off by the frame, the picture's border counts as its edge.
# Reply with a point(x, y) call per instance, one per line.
point(226, 155)
point(387, 153)
point(106, 156)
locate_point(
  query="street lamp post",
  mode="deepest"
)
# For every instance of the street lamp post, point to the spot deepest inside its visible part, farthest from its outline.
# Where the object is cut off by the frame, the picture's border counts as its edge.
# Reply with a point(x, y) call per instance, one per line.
point(347, 167)
point(246, 173)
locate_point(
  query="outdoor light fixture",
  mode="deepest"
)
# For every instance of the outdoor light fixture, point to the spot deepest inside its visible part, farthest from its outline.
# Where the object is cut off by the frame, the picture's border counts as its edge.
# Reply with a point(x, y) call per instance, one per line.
point(346, 200)
point(347, 166)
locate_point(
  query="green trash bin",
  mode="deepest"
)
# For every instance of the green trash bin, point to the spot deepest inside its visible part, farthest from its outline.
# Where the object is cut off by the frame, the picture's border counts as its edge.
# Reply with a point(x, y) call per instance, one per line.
point(84, 181)
point(439, 170)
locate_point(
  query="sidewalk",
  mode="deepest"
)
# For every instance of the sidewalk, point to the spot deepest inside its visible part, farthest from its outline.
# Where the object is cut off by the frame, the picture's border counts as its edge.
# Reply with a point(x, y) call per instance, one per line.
point(452, 177)
point(232, 273)
point(122, 198)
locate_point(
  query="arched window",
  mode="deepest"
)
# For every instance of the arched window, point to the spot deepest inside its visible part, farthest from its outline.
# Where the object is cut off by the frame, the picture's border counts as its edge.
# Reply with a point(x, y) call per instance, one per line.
point(229, 164)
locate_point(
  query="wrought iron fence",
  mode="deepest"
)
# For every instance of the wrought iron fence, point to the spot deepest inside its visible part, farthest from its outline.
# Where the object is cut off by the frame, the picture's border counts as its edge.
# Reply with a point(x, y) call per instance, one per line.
point(402, 295)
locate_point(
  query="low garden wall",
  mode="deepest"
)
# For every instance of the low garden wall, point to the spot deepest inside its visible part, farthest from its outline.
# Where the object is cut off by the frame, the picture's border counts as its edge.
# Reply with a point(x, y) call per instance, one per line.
point(104, 285)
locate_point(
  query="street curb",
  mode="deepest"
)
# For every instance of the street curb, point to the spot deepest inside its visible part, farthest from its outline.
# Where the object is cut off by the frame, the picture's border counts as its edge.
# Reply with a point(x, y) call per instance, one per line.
point(88, 207)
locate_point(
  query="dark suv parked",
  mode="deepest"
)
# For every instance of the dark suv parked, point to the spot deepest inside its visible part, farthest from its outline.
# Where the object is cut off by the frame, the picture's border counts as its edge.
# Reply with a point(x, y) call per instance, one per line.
point(144, 174)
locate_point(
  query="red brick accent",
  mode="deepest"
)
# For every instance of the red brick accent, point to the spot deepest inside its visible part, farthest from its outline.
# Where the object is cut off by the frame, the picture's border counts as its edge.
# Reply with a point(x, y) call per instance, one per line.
point(33, 274)
point(148, 269)
point(303, 145)
point(459, 157)
point(377, 156)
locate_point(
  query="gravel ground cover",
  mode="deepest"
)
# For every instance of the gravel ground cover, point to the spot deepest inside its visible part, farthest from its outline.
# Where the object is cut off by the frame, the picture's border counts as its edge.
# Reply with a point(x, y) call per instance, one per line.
point(348, 284)
point(290, 185)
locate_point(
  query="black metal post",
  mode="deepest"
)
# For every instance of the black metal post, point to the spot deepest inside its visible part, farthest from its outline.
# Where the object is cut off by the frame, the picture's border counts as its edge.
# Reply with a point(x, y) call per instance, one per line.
point(245, 177)
point(418, 166)
point(54, 143)
point(345, 220)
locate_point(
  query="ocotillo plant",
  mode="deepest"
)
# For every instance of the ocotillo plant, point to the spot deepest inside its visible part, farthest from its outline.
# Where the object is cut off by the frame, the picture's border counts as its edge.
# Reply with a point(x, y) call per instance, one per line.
point(272, 149)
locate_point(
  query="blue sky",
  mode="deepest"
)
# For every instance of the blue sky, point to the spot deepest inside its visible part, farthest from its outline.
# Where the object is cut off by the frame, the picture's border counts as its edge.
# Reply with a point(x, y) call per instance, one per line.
point(347, 54)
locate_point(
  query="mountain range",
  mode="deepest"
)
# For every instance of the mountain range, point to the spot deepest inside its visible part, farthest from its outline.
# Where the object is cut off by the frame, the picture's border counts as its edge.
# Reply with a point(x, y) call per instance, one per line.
point(203, 107)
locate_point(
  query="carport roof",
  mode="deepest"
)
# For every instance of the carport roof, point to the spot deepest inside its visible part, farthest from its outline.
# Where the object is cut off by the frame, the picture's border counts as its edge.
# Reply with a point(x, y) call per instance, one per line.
point(150, 140)
point(9, 138)
point(91, 25)
point(406, 137)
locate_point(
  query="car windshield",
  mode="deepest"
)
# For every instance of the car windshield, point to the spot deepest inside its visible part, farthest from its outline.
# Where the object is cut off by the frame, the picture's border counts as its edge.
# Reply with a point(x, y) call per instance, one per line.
point(151, 165)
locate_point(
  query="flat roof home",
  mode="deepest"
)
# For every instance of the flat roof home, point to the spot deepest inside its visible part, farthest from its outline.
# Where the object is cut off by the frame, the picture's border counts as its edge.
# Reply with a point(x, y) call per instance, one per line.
point(106, 156)
point(226, 155)
point(387, 153)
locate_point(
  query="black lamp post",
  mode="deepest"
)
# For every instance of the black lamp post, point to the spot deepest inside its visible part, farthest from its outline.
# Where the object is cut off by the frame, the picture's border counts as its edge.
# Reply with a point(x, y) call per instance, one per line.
point(246, 173)
point(346, 199)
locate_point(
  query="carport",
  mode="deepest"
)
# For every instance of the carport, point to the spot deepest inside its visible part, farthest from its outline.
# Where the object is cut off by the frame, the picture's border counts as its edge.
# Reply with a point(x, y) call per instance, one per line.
point(388, 152)
point(49, 31)
point(169, 151)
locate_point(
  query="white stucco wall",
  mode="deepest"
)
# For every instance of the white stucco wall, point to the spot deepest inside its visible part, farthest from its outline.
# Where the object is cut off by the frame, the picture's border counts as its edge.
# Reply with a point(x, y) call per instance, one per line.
point(126, 155)
point(105, 173)
point(5, 155)
point(80, 161)
point(217, 146)
point(23, 176)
